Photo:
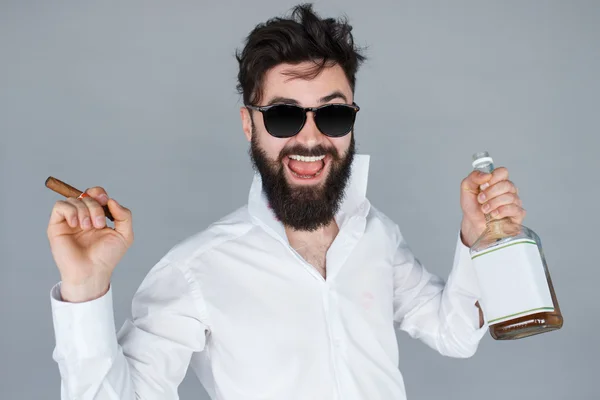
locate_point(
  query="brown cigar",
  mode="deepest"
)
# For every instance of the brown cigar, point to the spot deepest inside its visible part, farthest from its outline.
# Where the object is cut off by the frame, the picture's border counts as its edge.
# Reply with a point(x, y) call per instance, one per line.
point(69, 191)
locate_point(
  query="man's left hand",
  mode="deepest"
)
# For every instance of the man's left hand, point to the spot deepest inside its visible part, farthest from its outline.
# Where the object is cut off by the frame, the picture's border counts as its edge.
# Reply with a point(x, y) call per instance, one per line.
point(499, 197)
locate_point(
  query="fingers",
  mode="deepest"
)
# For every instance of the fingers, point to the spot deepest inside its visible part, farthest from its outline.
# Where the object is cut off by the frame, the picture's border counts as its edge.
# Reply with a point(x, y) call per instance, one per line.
point(95, 213)
point(472, 182)
point(83, 216)
point(499, 174)
point(89, 213)
point(497, 196)
point(86, 213)
point(480, 180)
point(496, 190)
point(496, 202)
point(99, 194)
point(64, 211)
point(476, 181)
point(513, 211)
point(123, 220)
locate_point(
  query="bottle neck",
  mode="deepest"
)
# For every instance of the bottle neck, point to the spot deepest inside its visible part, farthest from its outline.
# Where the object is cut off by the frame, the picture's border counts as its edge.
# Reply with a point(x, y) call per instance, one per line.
point(499, 228)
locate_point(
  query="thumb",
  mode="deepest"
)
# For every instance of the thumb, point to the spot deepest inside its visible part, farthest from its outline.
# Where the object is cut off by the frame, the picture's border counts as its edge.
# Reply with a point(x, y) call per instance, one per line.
point(470, 188)
point(123, 220)
point(472, 184)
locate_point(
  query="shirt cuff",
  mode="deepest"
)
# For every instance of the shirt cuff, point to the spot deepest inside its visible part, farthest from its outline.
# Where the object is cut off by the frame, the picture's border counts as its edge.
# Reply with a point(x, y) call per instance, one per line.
point(83, 330)
point(463, 280)
point(464, 273)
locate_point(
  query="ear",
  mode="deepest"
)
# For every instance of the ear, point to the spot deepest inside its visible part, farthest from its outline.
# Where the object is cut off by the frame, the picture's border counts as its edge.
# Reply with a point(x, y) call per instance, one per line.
point(246, 122)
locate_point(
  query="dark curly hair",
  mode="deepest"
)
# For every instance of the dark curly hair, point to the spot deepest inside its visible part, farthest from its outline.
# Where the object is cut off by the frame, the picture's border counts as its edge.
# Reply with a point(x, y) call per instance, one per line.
point(302, 37)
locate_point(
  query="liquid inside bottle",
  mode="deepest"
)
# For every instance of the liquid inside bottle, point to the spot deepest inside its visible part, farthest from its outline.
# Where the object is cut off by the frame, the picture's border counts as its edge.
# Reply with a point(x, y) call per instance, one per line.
point(518, 298)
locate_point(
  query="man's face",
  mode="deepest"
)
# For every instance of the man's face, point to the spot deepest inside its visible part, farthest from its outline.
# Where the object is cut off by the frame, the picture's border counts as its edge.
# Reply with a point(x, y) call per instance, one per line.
point(303, 194)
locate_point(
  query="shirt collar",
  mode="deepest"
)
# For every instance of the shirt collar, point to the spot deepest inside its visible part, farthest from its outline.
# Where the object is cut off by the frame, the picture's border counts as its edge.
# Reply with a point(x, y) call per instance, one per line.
point(355, 203)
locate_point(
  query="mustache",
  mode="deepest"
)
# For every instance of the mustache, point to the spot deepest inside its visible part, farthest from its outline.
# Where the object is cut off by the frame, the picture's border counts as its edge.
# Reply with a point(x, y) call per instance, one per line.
point(316, 151)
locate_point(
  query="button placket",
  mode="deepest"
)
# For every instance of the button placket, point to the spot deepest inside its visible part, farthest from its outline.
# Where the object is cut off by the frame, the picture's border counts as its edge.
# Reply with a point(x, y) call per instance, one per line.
point(332, 319)
point(337, 333)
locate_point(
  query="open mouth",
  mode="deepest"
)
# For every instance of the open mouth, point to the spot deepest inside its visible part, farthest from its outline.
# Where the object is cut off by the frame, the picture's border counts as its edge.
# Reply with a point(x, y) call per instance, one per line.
point(306, 168)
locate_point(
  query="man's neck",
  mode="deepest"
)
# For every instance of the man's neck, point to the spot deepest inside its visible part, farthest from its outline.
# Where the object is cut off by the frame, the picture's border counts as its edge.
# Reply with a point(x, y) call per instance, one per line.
point(323, 236)
point(313, 246)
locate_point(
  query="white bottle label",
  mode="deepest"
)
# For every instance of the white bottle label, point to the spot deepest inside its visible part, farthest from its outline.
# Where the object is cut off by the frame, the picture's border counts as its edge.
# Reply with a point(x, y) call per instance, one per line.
point(512, 280)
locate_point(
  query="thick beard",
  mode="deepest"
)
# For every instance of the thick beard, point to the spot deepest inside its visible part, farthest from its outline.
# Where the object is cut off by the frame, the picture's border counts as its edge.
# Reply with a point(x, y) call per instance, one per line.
point(303, 208)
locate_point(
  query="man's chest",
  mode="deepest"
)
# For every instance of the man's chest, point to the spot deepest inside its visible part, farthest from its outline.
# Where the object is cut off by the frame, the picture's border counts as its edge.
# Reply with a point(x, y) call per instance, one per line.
point(279, 310)
point(276, 289)
point(314, 254)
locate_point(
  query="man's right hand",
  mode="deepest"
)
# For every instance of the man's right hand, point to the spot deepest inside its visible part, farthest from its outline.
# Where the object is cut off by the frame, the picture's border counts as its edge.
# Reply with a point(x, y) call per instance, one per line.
point(84, 248)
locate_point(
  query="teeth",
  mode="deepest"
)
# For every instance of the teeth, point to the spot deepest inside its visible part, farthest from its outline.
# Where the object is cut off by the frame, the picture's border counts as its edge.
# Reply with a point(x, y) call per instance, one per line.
point(306, 159)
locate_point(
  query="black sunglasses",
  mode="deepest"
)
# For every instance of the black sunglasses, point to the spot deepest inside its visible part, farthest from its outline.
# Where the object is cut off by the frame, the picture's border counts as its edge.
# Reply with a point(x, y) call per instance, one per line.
point(286, 120)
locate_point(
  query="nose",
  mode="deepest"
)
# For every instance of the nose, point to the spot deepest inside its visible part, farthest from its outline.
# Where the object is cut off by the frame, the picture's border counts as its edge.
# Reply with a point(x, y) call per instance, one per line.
point(310, 135)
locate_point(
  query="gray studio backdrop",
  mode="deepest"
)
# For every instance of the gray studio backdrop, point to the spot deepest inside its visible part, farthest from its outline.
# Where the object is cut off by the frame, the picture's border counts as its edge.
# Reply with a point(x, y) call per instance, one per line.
point(139, 97)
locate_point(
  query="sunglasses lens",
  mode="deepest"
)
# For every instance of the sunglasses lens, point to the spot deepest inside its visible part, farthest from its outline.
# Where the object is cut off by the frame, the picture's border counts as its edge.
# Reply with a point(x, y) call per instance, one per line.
point(284, 121)
point(335, 120)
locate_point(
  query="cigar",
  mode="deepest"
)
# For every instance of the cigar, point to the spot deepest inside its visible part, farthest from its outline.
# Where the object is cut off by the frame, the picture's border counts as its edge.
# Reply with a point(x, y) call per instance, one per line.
point(67, 190)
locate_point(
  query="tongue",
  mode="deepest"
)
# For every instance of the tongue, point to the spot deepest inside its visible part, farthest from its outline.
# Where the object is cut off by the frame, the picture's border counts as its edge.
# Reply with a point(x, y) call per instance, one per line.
point(305, 168)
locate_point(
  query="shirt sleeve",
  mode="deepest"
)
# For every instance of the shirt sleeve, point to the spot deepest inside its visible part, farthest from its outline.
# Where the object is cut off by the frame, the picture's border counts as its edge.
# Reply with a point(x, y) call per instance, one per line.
point(441, 314)
point(149, 356)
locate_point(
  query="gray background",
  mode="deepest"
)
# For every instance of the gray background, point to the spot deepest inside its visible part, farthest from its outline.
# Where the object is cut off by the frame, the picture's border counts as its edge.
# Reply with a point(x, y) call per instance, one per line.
point(140, 98)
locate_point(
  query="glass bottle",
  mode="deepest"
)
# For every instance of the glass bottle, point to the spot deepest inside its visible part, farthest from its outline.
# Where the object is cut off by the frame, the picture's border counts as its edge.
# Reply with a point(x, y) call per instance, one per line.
point(518, 299)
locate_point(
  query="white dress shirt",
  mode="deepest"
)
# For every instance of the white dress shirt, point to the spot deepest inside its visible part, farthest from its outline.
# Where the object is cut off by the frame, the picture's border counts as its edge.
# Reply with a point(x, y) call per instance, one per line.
point(255, 321)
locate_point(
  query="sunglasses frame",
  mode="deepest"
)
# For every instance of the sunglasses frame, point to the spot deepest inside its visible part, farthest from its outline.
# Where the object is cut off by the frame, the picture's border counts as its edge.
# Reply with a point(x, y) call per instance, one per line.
point(263, 109)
